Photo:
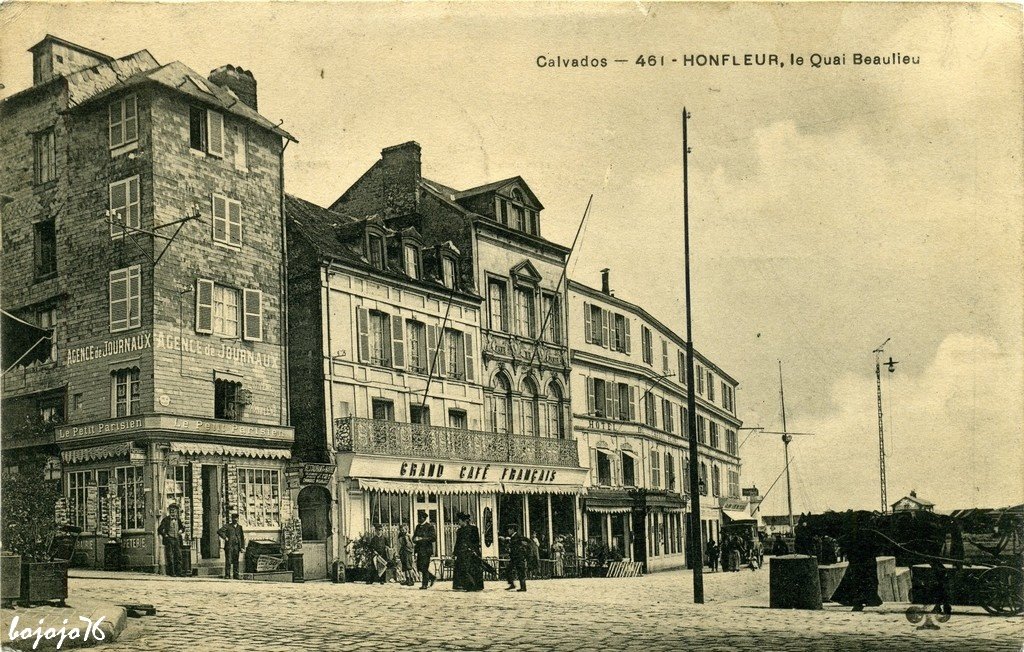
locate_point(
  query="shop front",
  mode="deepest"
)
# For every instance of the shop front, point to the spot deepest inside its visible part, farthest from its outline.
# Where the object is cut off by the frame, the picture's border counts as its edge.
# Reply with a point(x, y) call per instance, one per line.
point(636, 525)
point(122, 475)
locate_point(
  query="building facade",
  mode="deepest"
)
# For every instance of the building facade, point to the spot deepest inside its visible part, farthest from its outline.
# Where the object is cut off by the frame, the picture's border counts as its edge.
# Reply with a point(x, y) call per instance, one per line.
point(426, 346)
point(143, 223)
point(632, 429)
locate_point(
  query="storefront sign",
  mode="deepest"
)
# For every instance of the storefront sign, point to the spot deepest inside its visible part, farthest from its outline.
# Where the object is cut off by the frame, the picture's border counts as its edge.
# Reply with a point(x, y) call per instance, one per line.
point(751, 492)
point(216, 349)
point(435, 470)
point(108, 348)
point(733, 505)
point(101, 428)
point(166, 422)
point(319, 474)
point(137, 549)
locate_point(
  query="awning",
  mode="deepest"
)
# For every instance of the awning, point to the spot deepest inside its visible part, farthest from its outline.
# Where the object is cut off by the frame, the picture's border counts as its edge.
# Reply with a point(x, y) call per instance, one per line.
point(23, 343)
point(189, 448)
point(443, 488)
point(515, 488)
point(96, 453)
point(734, 516)
point(608, 502)
point(668, 501)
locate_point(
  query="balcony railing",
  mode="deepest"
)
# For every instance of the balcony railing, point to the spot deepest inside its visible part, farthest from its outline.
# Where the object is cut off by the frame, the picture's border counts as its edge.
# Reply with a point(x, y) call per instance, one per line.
point(356, 435)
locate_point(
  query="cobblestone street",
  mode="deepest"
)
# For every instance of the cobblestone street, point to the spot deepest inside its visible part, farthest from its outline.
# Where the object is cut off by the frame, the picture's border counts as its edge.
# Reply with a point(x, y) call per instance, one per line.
point(651, 613)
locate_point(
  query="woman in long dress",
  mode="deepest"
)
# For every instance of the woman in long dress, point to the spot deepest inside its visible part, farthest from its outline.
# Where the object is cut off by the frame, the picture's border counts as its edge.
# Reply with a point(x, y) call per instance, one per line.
point(468, 572)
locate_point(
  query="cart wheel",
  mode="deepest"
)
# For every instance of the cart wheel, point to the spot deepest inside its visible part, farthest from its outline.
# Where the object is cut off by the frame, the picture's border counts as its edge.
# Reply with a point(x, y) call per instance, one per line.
point(1002, 591)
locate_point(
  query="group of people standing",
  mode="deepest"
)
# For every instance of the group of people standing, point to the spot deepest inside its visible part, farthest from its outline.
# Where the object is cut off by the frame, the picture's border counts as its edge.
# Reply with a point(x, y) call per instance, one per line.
point(172, 535)
point(383, 562)
point(733, 552)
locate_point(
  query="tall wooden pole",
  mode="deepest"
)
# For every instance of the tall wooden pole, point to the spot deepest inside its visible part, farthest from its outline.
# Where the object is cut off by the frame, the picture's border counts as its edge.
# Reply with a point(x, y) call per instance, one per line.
point(786, 438)
point(696, 536)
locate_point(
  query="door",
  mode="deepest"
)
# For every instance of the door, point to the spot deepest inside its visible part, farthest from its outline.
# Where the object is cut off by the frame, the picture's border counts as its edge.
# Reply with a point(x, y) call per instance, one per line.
point(640, 536)
point(209, 544)
point(427, 504)
point(315, 515)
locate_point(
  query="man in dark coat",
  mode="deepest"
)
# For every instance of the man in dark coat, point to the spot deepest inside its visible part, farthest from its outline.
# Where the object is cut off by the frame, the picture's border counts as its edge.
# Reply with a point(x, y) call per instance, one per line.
point(171, 531)
point(469, 571)
point(234, 540)
point(378, 555)
point(518, 551)
point(423, 538)
point(712, 553)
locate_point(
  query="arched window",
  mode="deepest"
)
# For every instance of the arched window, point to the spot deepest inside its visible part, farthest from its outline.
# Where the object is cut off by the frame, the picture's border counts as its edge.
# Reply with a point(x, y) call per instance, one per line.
point(555, 412)
point(530, 409)
point(501, 404)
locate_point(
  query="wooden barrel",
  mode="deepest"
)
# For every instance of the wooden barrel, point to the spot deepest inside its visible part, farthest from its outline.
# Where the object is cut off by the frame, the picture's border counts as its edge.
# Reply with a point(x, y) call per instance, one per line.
point(793, 582)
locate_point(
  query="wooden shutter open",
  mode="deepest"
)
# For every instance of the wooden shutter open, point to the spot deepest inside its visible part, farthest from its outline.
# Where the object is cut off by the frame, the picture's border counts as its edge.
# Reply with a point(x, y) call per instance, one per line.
point(431, 349)
point(610, 396)
point(204, 306)
point(467, 339)
point(397, 342)
point(234, 222)
point(594, 467)
point(632, 403)
point(587, 326)
point(442, 353)
point(605, 340)
point(629, 346)
point(252, 323)
point(591, 403)
point(363, 333)
point(214, 133)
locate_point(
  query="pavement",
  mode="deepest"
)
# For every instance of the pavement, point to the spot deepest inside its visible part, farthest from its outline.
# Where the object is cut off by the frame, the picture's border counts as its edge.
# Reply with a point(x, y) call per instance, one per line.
point(84, 622)
point(600, 615)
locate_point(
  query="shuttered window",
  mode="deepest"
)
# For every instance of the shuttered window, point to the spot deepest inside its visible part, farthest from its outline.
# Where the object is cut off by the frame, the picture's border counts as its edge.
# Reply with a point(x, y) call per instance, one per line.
point(124, 206)
point(125, 298)
point(655, 469)
point(397, 342)
point(214, 133)
point(227, 221)
point(123, 122)
point(204, 306)
point(253, 323)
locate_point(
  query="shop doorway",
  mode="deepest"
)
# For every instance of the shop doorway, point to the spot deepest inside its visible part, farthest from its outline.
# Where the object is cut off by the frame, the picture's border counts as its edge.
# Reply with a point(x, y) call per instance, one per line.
point(209, 544)
point(640, 536)
point(315, 515)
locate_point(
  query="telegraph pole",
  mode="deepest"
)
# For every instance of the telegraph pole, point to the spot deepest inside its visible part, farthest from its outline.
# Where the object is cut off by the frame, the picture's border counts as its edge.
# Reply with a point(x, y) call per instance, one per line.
point(881, 431)
point(696, 537)
point(786, 438)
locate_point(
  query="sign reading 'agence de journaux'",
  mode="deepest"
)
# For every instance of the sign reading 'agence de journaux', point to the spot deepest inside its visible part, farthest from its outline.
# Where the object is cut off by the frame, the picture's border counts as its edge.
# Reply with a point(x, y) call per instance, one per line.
point(142, 341)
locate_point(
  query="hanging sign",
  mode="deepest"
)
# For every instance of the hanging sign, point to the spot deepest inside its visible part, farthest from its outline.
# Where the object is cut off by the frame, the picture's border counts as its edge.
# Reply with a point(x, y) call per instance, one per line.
point(319, 474)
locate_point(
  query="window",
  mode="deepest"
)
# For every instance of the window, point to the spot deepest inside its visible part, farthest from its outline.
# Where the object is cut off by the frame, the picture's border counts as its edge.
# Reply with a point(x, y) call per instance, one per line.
point(502, 212)
point(620, 341)
point(390, 511)
point(124, 121)
point(703, 479)
point(45, 156)
point(727, 397)
point(627, 402)
point(650, 410)
point(553, 315)
point(226, 400)
point(227, 221)
point(599, 399)
point(670, 472)
point(500, 405)
point(496, 304)
point(682, 368)
point(700, 380)
point(648, 345)
point(667, 415)
point(525, 313)
point(128, 487)
point(47, 318)
point(419, 414)
point(556, 412)
point(206, 131)
point(416, 338)
point(715, 443)
point(734, 484)
point(178, 489)
point(684, 422)
point(124, 207)
point(716, 480)
point(455, 354)
point(45, 248)
point(711, 386)
point(380, 338)
point(730, 442)
point(595, 324)
point(124, 392)
point(702, 435)
point(78, 498)
point(383, 409)
point(259, 497)
point(664, 356)
point(252, 323)
point(458, 419)
point(628, 471)
point(125, 298)
point(411, 258)
point(51, 408)
point(655, 469)
point(375, 247)
point(530, 410)
point(225, 311)
point(448, 272)
point(241, 142)
point(604, 469)
point(685, 484)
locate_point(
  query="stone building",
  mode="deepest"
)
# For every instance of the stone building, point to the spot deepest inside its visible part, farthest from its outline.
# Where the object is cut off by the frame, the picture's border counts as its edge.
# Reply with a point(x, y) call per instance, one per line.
point(433, 343)
point(630, 416)
point(143, 223)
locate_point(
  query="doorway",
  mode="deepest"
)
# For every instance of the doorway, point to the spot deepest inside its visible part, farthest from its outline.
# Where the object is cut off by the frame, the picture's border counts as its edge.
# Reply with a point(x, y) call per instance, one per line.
point(315, 515)
point(209, 544)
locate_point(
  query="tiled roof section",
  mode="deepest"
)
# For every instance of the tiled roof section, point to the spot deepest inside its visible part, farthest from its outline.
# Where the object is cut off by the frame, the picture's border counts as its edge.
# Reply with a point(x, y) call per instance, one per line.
point(494, 185)
point(915, 499)
point(50, 38)
point(88, 83)
point(329, 232)
point(179, 77)
point(440, 189)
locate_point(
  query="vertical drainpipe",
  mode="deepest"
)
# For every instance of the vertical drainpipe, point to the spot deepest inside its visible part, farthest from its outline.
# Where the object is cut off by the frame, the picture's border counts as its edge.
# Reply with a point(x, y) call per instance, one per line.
point(286, 393)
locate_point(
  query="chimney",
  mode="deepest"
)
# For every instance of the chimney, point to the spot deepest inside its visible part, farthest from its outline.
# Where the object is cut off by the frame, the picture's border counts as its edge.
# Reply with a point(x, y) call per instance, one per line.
point(54, 57)
point(913, 493)
point(605, 287)
point(400, 178)
point(240, 81)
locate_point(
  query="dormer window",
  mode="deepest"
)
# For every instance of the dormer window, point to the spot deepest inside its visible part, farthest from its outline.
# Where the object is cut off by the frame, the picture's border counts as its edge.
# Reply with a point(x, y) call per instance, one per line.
point(448, 271)
point(375, 247)
point(411, 260)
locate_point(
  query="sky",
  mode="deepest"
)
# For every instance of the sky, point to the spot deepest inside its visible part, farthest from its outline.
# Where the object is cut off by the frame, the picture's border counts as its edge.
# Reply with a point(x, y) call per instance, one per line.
point(831, 207)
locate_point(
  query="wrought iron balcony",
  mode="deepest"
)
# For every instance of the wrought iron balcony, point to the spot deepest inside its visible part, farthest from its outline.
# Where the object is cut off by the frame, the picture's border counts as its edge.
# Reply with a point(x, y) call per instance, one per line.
point(356, 435)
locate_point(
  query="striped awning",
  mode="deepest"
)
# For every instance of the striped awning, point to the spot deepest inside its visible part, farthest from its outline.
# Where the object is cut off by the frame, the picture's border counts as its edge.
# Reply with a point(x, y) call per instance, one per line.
point(190, 448)
point(604, 509)
point(443, 488)
point(516, 488)
point(96, 453)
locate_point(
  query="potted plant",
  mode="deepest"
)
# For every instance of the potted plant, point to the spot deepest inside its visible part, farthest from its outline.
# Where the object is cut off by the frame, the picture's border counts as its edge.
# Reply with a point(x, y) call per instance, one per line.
point(359, 555)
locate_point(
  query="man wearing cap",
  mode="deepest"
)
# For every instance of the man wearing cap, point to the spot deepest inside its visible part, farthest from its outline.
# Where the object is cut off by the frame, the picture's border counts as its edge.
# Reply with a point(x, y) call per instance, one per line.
point(423, 538)
point(234, 540)
point(171, 531)
point(518, 550)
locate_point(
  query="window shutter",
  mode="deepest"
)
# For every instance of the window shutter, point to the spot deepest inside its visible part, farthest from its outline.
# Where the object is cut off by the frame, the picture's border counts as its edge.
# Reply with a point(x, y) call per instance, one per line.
point(131, 128)
point(134, 296)
point(604, 328)
point(587, 325)
point(632, 403)
point(215, 133)
point(609, 400)
point(591, 409)
point(363, 329)
point(614, 394)
point(629, 346)
point(594, 466)
point(397, 342)
point(204, 306)
point(616, 468)
point(467, 339)
point(252, 325)
point(220, 219)
point(442, 353)
point(432, 355)
point(234, 222)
